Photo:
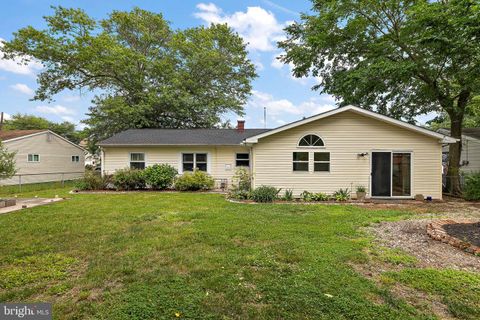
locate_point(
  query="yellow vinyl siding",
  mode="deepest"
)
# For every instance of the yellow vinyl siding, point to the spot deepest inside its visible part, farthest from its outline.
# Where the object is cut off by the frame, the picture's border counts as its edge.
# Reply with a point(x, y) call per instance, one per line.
point(345, 136)
point(218, 157)
point(55, 157)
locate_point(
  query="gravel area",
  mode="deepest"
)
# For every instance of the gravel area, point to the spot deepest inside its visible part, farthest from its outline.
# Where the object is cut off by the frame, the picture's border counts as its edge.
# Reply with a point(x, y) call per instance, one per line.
point(411, 236)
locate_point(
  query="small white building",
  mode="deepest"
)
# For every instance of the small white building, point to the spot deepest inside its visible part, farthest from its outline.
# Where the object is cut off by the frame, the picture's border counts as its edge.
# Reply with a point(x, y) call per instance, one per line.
point(42, 156)
point(470, 158)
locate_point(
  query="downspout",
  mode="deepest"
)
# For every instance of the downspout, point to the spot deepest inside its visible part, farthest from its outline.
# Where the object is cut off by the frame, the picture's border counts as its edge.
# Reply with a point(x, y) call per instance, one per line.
point(102, 163)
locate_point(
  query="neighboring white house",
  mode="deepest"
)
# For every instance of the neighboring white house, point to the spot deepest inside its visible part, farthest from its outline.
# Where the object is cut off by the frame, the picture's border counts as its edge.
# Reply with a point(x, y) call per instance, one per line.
point(42, 156)
point(341, 148)
point(470, 158)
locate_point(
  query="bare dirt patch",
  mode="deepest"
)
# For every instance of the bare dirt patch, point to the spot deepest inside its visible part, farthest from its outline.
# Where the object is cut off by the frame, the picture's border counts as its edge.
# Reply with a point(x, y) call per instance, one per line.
point(411, 236)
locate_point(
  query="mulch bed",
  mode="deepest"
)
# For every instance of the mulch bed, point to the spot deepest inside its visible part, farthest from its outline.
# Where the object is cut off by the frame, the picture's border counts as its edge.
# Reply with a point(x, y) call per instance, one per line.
point(469, 232)
point(460, 233)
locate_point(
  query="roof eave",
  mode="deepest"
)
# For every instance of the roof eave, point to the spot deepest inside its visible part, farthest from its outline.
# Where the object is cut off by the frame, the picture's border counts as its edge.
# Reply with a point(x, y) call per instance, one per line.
point(371, 114)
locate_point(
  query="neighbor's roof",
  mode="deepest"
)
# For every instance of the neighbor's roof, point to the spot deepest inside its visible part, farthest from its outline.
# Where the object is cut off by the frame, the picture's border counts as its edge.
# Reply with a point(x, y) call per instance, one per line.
point(441, 137)
point(472, 132)
point(180, 137)
point(469, 132)
point(12, 134)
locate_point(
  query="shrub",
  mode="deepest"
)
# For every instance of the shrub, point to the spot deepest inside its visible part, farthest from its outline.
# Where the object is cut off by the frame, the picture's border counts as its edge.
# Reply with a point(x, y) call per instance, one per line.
point(310, 196)
point(242, 179)
point(129, 179)
point(306, 196)
point(92, 181)
point(265, 194)
point(472, 186)
point(320, 196)
point(341, 195)
point(288, 196)
point(239, 194)
point(160, 176)
point(361, 189)
point(194, 181)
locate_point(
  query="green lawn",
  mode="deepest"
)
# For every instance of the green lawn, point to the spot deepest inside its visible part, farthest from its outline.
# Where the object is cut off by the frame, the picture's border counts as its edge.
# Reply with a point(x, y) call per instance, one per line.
point(197, 256)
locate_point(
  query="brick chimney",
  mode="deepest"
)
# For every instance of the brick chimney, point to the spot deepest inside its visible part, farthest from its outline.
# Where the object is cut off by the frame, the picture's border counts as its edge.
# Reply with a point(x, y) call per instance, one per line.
point(240, 125)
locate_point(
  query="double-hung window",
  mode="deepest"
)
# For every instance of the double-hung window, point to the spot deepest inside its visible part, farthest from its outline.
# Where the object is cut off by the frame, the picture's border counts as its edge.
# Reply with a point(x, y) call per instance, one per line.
point(75, 158)
point(137, 160)
point(300, 161)
point(33, 157)
point(242, 160)
point(191, 161)
point(321, 161)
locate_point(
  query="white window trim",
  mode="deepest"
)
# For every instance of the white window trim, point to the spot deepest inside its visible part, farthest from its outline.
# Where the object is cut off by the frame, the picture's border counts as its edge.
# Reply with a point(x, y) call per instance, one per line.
point(33, 154)
point(236, 159)
point(329, 162)
point(77, 157)
point(301, 161)
point(180, 161)
point(311, 147)
point(130, 158)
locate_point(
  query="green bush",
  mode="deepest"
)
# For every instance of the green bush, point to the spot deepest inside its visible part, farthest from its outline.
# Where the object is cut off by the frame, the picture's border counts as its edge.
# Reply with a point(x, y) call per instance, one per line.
point(288, 196)
point(310, 196)
point(242, 179)
point(306, 196)
point(92, 181)
point(361, 188)
point(160, 176)
point(194, 181)
point(265, 194)
point(341, 194)
point(239, 194)
point(320, 196)
point(129, 179)
point(471, 189)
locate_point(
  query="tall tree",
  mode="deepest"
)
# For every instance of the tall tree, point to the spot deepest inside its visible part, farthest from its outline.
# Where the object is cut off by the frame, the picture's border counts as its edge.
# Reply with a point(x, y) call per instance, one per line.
point(145, 74)
point(30, 122)
point(403, 58)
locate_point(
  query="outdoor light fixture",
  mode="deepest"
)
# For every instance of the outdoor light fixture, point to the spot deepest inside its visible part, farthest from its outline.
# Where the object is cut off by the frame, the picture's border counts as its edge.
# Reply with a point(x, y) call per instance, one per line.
point(363, 154)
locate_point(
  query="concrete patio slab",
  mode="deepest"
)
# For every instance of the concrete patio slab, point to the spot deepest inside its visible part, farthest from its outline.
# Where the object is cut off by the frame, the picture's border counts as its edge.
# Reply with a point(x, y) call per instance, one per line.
point(24, 203)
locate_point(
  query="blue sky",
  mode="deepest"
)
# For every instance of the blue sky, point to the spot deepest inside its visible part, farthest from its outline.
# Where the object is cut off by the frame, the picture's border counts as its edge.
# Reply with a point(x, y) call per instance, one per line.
point(259, 22)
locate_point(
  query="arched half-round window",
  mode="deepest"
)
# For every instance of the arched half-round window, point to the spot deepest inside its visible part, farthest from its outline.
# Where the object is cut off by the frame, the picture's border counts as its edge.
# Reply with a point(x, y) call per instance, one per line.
point(311, 140)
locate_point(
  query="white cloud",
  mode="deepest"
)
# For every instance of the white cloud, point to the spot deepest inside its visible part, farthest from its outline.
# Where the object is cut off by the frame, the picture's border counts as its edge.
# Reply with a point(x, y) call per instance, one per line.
point(23, 88)
point(57, 110)
point(71, 98)
point(278, 107)
point(281, 8)
point(67, 118)
point(257, 26)
point(7, 116)
point(17, 66)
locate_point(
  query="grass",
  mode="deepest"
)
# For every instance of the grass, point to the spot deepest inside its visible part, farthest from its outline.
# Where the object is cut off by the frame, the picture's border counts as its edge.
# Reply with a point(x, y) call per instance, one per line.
point(460, 291)
point(197, 256)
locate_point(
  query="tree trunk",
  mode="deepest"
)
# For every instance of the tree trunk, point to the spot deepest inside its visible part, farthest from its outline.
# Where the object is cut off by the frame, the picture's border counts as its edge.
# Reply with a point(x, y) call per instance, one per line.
point(455, 149)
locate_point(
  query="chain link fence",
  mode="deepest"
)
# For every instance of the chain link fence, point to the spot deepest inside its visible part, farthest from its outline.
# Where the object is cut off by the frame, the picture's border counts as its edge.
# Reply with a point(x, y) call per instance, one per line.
point(39, 181)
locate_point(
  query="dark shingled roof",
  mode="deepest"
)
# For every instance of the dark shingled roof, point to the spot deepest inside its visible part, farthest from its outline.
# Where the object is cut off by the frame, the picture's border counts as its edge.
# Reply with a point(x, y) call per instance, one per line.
point(472, 132)
point(469, 132)
point(12, 134)
point(181, 137)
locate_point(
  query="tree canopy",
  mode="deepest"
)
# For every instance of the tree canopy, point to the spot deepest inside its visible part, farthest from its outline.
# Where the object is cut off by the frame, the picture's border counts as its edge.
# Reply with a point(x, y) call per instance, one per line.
point(401, 58)
point(144, 73)
point(30, 122)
